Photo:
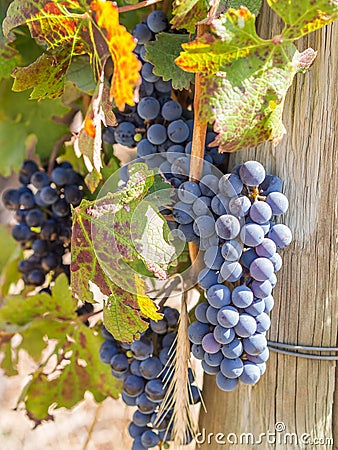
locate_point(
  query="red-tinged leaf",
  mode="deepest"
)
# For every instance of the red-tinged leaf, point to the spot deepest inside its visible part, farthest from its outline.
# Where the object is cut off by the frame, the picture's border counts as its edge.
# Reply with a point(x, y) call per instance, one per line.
point(187, 13)
point(89, 140)
point(93, 180)
point(46, 75)
point(304, 16)
point(121, 44)
point(245, 80)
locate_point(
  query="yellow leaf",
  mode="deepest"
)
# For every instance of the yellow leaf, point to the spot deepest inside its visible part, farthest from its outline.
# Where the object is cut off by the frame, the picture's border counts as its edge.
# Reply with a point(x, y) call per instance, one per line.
point(121, 45)
point(147, 306)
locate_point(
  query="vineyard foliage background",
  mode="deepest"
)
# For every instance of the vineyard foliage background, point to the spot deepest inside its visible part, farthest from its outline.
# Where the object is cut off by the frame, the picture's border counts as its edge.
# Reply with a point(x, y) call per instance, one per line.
point(62, 61)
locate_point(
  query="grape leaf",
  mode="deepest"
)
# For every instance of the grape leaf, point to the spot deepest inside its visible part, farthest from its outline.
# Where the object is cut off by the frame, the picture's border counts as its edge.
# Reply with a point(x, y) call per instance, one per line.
point(80, 75)
point(121, 45)
point(162, 54)
point(50, 81)
point(76, 367)
point(111, 231)
point(304, 17)
point(245, 79)
point(186, 13)
point(9, 59)
point(253, 6)
point(21, 118)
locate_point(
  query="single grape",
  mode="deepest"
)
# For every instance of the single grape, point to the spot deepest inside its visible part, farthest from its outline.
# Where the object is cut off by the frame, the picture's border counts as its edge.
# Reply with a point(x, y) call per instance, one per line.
point(155, 390)
point(27, 200)
point(242, 296)
point(160, 326)
point(213, 359)
point(207, 278)
point(248, 256)
point(157, 134)
point(188, 192)
point(231, 271)
point(142, 33)
point(149, 439)
point(226, 384)
point(49, 195)
point(201, 206)
point(171, 110)
point(178, 131)
point(124, 134)
point(197, 351)
point(151, 367)
point(251, 373)
point(260, 212)
point(260, 358)
point(200, 312)
point(11, 199)
point(240, 206)
point(228, 316)
point(209, 344)
point(227, 227)
point(36, 277)
point(147, 73)
point(197, 331)
point(21, 232)
point(128, 400)
point(148, 108)
point(157, 21)
point(142, 348)
point(255, 344)
point(60, 176)
point(134, 430)
point(278, 202)
point(172, 316)
point(108, 349)
point(211, 315)
point(218, 295)
point(246, 325)
point(39, 180)
point(281, 235)
point(233, 349)
point(263, 322)
point(164, 87)
point(119, 363)
point(61, 208)
point(271, 183)
point(40, 247)
point(210, 370)
point(251, 234)
point(183, 213)
point(252, 173)
point(133, 385)
point(261, 269)
point(231, 250)
point(181, 167)
point(231, 368)
point(267, 248)
point(140, 419)
point(35, 218)
point(224, 335)
point(256, 307)
point(277, 262)
point(268, 303)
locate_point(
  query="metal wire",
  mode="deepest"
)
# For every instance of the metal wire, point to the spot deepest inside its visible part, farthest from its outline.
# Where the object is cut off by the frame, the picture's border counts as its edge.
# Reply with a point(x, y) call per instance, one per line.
point(289, 349)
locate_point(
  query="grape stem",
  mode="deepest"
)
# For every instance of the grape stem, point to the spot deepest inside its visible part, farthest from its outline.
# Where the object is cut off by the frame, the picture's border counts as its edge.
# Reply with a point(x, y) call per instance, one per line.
point(200, 128)
point(55, 151)
point(127, 8)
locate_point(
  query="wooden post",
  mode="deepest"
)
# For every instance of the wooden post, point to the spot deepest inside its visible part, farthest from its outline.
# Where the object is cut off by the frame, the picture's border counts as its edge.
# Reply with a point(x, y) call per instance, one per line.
point(298, 392)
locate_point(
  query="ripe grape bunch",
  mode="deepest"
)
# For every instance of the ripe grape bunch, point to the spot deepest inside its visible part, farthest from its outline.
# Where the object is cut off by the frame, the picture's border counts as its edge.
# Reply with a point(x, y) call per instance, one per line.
point(145, 368)
point(42, 210)
point(163, 129)
point(231, 219)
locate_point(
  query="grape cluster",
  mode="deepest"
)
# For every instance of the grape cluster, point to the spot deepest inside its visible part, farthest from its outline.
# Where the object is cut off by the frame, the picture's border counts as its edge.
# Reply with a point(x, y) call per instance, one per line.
point(162, 127)
point(43, 212)
point(230, 218)
point(145, 367)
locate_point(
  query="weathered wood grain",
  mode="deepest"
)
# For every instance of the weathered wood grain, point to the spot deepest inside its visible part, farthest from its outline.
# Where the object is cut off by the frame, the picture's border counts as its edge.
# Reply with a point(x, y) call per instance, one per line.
point(295, 391)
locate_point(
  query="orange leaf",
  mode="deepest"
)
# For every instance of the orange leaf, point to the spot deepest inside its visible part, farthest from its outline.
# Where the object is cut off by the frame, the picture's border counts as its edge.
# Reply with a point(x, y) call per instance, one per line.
point(121, 45)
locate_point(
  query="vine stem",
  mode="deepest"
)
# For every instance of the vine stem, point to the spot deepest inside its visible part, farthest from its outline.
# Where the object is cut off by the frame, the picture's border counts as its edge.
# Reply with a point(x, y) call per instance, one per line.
point(127, 8)
point(200, 127)
point(92, 426)
point(55, 151)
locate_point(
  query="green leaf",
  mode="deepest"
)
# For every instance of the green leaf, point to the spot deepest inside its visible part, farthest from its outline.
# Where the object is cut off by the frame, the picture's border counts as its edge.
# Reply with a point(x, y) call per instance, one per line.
point(46, 75)
point(9, 59)
point(9, 273)
point(186, 13)
point(304, 17)
point(84, 372)
point(253, 6)
point(74, 366)
point(7, 244)
point(108, 233)
point(162, 54)
point(245, 80)
point(81, 75)
point(19, 118)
